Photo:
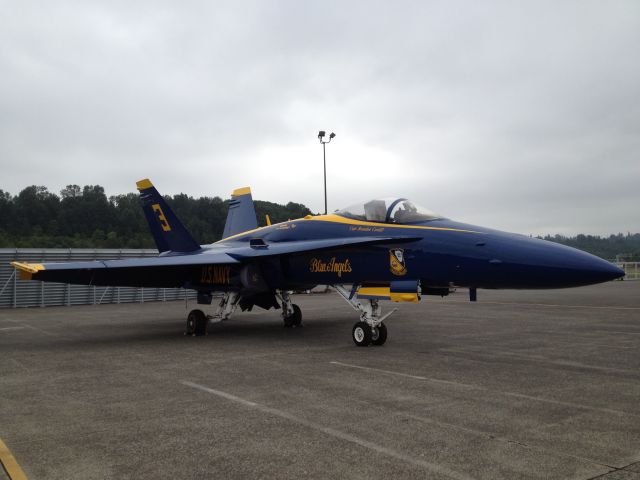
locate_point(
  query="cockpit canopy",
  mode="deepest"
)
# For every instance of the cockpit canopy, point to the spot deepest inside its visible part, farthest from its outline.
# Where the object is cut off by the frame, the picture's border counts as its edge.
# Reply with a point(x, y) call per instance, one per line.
point(389, 210)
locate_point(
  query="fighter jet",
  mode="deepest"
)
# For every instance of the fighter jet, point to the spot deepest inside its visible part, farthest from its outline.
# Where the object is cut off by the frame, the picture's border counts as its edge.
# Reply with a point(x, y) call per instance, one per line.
point(383, 249)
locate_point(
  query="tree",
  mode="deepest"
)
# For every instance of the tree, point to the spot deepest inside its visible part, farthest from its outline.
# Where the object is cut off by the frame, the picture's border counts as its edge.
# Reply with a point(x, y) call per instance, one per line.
point(70, 191)
point(35, 206)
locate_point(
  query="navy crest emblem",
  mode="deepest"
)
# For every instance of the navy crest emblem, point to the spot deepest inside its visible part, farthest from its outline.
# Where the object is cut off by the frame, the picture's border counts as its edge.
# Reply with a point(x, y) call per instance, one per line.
point(396, 262)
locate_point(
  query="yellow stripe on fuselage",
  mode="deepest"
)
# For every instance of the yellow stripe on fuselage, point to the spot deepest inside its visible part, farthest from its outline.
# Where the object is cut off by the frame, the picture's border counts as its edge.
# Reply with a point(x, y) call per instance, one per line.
point(331, 218)
point(350, 221)
point(404, 297)
point(383, 292)
point(231, 237)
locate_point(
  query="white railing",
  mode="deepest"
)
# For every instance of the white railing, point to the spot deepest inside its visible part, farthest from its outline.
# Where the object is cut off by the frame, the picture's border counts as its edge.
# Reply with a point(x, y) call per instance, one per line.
point(16, 293)
point(631, 269)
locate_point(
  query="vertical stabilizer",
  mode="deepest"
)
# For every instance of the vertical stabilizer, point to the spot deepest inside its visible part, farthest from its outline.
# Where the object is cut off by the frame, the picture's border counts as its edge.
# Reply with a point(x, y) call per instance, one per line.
point(242, 214)
point(168, 232)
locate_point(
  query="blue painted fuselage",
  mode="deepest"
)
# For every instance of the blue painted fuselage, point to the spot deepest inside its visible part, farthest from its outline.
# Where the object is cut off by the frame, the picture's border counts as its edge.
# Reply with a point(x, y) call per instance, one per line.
point(439, 253)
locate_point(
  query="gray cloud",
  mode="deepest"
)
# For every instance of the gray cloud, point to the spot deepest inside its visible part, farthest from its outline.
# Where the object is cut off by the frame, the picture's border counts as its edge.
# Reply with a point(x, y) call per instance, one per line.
point(524, 117)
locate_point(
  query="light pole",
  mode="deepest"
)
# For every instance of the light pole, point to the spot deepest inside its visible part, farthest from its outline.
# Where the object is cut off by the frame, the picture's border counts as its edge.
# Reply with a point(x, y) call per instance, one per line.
point(324, 157)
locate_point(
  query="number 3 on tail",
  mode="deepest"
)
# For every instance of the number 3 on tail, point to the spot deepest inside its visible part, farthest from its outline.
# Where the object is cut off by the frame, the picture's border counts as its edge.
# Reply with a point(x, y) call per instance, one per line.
point(163, 220)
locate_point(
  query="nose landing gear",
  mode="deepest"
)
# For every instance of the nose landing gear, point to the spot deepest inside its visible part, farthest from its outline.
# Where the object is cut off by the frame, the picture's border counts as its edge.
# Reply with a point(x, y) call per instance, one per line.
point(370, 330)
point(364, 334)
point(379, 334)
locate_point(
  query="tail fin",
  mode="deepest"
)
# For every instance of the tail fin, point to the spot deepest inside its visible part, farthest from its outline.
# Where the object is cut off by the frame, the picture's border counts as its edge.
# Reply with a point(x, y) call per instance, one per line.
point(167, 230)
point(242, 214)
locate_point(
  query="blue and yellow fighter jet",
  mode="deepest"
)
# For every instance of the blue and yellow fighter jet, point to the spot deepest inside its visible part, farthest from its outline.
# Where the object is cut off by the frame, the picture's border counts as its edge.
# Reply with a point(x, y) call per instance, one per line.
point(384, 249)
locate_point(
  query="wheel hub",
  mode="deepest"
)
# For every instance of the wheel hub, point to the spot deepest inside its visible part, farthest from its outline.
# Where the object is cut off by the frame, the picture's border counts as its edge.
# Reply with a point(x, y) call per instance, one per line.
point(375, 334)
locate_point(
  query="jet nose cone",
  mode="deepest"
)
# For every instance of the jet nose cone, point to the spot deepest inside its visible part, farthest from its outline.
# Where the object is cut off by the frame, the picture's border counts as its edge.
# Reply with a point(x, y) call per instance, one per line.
point(611, 272)
point(552, 265)
point(591, 269)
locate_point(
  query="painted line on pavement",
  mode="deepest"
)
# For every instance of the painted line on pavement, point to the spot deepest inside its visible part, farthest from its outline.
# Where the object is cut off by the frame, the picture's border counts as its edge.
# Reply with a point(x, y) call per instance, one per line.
point(494, 436)
point(333, 432)
point(10, 464)
point(605, 307)
point(536, 359)
point(485, 389)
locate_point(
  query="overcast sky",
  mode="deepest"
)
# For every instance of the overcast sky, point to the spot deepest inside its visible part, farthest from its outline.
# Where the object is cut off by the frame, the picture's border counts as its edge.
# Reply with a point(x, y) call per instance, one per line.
point(513, 115)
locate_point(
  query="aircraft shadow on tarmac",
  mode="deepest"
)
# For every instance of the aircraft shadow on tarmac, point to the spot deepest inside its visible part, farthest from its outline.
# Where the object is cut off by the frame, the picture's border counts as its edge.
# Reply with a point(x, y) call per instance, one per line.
point(255, 331)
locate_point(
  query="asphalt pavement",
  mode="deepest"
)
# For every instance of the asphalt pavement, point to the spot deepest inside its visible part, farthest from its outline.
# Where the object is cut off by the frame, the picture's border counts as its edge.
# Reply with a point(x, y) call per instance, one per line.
point(542, 384)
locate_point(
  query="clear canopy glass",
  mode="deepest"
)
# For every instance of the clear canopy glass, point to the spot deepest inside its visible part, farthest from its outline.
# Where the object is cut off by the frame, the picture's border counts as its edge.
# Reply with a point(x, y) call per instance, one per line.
point(389, 210)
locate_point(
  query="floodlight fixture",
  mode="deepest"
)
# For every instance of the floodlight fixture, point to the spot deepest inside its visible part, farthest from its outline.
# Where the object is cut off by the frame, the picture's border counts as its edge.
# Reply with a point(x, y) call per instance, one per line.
point(321, 135)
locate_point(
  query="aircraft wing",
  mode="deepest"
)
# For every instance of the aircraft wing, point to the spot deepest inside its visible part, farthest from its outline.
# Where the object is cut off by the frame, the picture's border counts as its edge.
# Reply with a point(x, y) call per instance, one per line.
point(170, 270)
point(126, 272)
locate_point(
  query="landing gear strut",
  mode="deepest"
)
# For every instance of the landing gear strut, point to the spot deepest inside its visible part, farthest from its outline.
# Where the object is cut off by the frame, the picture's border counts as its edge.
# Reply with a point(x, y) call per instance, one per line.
point(291, 313)
point(197, 321)
point(226, 307)
point(370, 330)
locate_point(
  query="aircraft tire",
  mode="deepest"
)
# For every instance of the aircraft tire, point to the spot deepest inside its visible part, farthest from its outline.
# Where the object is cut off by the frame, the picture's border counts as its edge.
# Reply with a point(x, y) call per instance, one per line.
point(297, 315)
point(295, 319)
point(361, 334)
point(379, 335)
point(196, 323)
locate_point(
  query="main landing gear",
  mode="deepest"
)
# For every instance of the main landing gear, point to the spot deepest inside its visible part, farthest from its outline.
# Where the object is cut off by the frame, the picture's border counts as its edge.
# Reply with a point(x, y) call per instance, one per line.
point(291, 313)
point(197, 321)
point(370, 330)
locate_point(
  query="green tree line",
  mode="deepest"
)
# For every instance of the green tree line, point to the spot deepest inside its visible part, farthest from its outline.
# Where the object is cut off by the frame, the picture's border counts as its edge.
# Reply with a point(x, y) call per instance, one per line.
point(87, 218)
point(626, 246)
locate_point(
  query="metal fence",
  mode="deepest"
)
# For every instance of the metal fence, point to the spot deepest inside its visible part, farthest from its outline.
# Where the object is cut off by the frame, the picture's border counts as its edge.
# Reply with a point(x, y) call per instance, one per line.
point(631, 270)
point(16, 293)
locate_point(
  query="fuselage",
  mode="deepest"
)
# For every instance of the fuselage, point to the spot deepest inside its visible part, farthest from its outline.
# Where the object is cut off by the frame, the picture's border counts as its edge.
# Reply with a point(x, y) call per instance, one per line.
point(439, 253)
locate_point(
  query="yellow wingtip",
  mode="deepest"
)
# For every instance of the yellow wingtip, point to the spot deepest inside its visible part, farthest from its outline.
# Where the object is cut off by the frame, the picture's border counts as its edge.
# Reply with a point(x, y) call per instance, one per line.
point(241, 191)
point(144, 184)
point(268, 220)
point(27, 269)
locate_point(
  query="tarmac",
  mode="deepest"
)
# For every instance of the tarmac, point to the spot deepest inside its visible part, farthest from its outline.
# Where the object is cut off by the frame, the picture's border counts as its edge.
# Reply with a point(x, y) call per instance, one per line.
point(521, 384)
